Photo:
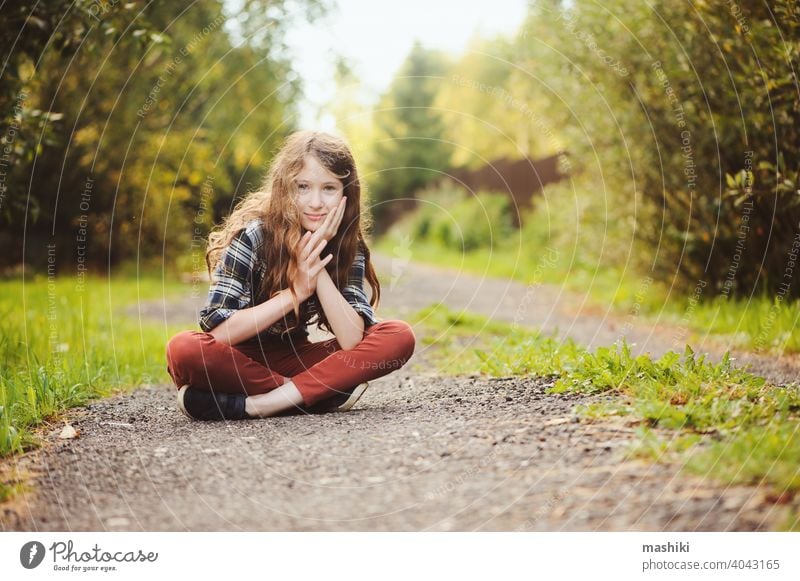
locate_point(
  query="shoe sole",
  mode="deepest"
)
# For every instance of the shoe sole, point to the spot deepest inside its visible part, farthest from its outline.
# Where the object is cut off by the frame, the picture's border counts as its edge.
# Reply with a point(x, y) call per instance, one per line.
point(354, 397)
point(181, 392)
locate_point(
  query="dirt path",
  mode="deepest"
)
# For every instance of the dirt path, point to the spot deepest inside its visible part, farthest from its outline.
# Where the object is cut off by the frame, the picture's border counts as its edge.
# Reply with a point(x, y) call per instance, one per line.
point(420, 452)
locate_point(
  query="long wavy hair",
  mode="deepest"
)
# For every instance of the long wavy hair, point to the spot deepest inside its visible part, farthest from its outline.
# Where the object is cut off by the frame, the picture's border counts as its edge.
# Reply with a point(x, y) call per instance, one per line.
point(274, 203)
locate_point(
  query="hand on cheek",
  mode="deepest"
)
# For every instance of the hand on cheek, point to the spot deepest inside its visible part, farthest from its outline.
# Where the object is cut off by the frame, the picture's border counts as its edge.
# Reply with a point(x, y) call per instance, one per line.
point(309, 264)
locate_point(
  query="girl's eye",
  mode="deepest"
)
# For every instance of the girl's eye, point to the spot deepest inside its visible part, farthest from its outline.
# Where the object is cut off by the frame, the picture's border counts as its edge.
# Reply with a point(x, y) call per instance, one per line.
point(302, 186)
point(330, 188)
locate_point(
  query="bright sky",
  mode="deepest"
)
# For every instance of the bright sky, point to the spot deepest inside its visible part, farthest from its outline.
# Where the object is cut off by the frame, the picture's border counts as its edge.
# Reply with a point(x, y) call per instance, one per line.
point(376, 36)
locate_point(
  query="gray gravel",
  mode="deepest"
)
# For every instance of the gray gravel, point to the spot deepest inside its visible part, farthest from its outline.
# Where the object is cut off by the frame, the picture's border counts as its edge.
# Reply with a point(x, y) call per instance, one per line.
point(419, 452)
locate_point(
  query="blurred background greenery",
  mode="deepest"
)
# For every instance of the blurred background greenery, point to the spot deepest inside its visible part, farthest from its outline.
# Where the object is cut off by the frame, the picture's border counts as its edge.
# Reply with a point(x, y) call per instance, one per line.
point(140, 125)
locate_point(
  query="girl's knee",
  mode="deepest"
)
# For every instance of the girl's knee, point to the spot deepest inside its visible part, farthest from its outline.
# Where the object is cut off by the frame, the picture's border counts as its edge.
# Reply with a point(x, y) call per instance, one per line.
point(400, 335)
point(184, 350)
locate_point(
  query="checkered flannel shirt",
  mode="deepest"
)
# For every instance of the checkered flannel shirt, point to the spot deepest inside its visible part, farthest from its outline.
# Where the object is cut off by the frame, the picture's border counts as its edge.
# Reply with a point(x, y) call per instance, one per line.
point(237, 279)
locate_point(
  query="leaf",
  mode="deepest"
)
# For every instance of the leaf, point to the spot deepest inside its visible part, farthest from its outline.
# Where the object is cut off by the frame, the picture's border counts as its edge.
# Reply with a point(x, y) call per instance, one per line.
point(69, 432)
point(558, 421)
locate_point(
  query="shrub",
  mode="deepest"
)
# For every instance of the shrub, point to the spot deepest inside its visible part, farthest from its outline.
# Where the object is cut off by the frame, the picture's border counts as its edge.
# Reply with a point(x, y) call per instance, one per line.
point(453, 219)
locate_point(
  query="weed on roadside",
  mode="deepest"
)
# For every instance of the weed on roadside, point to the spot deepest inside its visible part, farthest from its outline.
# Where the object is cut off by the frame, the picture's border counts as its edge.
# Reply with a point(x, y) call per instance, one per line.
point(716, 420)
point(60, 348)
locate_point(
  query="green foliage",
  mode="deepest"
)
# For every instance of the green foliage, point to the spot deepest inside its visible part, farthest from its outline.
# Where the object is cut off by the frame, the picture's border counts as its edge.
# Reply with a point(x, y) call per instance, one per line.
point(558, 244)
point(763, 323)
point(755, 455)
point(486, 107)
point(439, 316)
point(408, 151)
point(664, 113)
point(678, 393)
point(30, 34)
point(61, 347)
point(456, 336)
point(683, 140)
point(755, 424)
point(525, 354)
point(158, 132)
point(717, 420)
point(454, 220)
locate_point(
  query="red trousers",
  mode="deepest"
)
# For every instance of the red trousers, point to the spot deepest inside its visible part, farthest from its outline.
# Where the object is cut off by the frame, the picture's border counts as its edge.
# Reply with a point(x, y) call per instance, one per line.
point(319, 370)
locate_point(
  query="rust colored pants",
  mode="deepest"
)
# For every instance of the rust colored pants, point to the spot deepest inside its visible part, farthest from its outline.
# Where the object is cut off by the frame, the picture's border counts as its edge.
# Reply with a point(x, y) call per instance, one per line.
point(319, 370)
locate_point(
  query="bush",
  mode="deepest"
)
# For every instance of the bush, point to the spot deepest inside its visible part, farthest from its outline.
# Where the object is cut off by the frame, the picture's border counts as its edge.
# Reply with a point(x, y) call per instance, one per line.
point(453, 219)
point(698, 122)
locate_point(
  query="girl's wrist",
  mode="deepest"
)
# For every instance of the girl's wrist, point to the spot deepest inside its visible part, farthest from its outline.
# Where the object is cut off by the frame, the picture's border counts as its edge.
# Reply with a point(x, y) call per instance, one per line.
point(301, 296)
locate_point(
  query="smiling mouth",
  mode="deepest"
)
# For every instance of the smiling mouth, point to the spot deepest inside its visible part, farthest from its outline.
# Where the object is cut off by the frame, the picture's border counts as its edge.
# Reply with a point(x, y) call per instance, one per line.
point(315, 216)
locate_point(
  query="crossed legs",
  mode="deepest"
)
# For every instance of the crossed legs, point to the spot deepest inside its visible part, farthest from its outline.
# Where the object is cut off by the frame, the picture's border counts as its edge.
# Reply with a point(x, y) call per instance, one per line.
point(277, 378)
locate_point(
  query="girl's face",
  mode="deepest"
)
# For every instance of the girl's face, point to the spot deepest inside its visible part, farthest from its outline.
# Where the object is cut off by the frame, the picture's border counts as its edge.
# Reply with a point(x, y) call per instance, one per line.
point(318, 192)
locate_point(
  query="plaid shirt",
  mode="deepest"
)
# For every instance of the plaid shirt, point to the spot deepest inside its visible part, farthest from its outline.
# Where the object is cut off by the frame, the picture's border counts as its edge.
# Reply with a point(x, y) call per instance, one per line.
point(237, 279)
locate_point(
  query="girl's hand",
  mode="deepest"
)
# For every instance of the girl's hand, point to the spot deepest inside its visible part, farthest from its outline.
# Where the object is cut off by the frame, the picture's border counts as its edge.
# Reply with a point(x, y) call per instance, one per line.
point(330, 226)
point(309, 265)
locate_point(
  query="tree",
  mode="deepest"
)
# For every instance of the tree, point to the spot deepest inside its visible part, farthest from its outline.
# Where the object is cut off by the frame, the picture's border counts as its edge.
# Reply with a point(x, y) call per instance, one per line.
point(169, 117)
point(689, 113)
point(32, 37)
point(409, 149)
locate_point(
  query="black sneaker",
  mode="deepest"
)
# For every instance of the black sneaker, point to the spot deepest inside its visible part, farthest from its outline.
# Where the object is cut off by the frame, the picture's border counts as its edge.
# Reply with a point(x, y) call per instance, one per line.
point(339, 402)
point(198, 404)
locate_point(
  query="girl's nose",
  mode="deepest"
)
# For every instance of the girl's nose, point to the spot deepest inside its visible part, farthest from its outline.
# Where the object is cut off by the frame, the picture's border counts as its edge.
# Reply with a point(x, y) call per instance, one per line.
point(316, 199)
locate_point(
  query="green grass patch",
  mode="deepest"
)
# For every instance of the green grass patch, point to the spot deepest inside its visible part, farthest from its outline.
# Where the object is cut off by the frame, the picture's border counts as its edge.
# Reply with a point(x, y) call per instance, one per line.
point(62, 345)
point(720, 421)
point(467, 343)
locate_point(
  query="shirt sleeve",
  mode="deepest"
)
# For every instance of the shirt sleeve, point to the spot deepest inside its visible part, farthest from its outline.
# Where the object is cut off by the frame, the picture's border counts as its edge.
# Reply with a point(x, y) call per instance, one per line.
point(232, 281)
point(354, 291)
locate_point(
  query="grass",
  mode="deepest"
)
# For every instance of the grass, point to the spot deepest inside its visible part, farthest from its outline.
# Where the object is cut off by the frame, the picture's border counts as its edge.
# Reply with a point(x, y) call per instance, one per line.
point(62, 345)
point(721, 422)
point(455, 335)
point(761, 323)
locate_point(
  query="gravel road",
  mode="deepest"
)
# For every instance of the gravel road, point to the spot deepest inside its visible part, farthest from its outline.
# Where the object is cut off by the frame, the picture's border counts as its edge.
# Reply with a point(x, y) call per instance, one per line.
point(419, 452)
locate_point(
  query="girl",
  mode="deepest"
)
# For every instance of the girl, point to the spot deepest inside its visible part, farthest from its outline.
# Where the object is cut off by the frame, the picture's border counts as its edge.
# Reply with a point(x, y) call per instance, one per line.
point(290, 254)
